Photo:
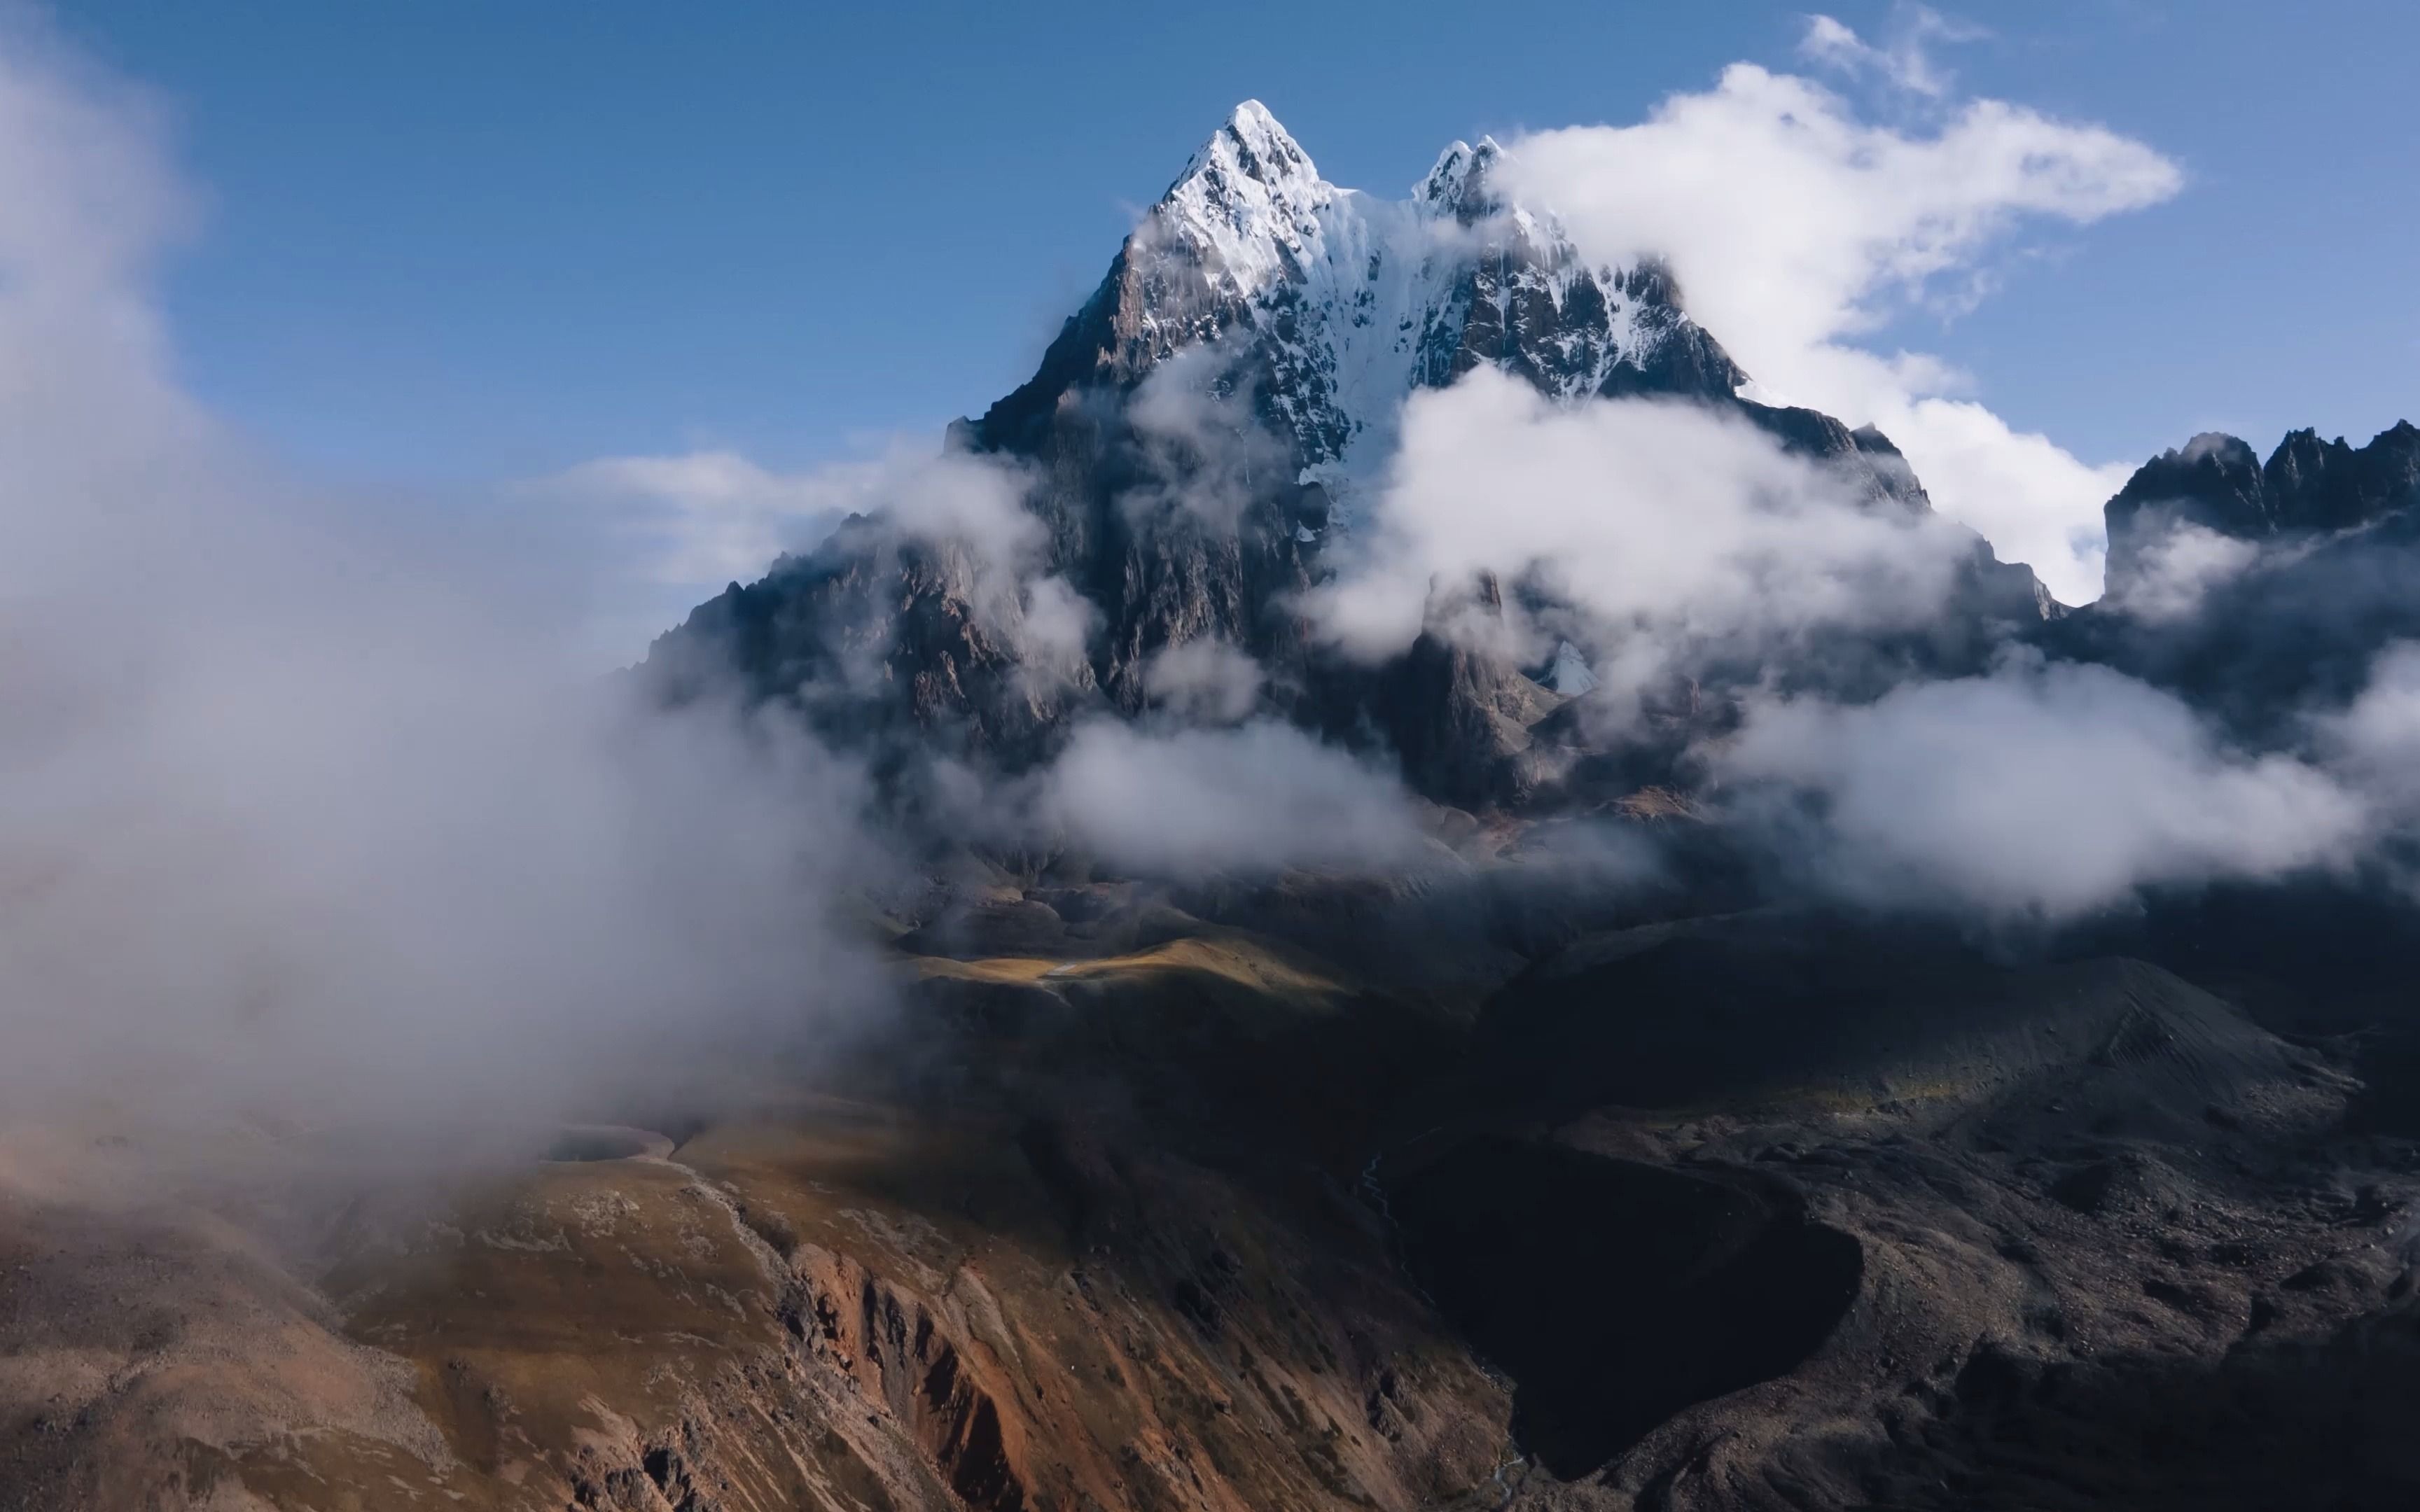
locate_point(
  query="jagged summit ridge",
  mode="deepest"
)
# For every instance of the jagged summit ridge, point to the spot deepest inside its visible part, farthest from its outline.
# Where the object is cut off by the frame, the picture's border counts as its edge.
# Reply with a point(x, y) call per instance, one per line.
point(1334, 305)
point(2217, 483)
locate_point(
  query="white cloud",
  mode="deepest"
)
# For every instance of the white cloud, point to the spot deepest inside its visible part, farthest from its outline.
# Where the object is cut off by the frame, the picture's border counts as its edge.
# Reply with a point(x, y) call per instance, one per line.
point(951, 498)
point(701, 520)
point(969, 510)
point(1203, 680)
point(1056, 623)
point(2377, 739)
point(1257, 799)
point(2174, 571)
point(1670, 525)
point(687, 525)
point(1795, 226)
point(1905, 59)
point(1201, 450)
point(89, 419)
point(2037, 790)
point(301, 817)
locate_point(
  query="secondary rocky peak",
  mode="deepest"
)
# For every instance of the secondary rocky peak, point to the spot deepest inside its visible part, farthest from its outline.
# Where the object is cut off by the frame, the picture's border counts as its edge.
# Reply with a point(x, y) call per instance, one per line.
point(2218, 483)
point(2213, 445)
point(2213, 464)
point(2317, 485)
point(2212, 482)
point(1463, 184)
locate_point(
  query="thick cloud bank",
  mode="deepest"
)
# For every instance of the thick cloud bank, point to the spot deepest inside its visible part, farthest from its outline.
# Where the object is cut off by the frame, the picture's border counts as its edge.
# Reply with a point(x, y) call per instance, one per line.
point(2045, 791)
point(1668, 526)
point(1795, 226)
point(1257, 799)
point(302, 816)
point(2377, 738)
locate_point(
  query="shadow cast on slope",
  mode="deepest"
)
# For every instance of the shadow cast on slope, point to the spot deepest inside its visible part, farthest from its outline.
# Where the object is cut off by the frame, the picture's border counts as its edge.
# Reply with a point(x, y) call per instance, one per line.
point(1615, 1294)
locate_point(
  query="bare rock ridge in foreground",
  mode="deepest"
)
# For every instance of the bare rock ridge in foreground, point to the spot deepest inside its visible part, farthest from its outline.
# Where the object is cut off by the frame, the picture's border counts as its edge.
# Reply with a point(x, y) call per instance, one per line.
point(1480, 1185)
point(1765, 1211)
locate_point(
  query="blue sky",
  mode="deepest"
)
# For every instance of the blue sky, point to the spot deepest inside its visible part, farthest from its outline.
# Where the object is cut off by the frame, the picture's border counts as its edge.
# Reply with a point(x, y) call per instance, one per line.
point(462, 240)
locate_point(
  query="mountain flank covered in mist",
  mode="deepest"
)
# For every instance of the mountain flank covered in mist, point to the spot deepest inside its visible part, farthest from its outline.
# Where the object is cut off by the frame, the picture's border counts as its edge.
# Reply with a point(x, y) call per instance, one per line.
point(1216, 422)
point(2217, 483)
point(2260, 590)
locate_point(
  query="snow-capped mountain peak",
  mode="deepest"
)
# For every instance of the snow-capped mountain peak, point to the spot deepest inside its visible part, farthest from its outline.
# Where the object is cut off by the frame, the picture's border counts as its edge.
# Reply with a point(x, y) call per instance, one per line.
point(1253, 143)
point(1250, 199)
point(1329, 307)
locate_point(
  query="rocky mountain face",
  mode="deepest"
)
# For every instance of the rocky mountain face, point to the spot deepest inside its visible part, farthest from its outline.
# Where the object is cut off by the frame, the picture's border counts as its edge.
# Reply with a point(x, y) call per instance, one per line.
point(2216, 482)
point(2258, 591)
point(1215, 416)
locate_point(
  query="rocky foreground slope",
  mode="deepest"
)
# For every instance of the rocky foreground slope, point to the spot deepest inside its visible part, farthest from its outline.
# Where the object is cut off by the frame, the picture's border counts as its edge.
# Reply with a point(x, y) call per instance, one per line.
point(1765, 1210)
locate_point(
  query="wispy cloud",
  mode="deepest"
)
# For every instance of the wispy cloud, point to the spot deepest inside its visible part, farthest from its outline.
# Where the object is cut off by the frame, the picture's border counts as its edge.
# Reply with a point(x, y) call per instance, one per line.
point(699, 519)
point(1905, 59)
point(301, 818)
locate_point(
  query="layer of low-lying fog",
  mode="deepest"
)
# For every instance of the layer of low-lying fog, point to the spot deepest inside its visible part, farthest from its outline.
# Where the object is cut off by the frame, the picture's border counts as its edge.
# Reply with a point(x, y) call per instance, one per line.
point(310, 803)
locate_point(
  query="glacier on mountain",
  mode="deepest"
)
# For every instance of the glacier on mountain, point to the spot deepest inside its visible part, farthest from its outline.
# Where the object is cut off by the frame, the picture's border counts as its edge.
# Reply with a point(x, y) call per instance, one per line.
point(1348, 302)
